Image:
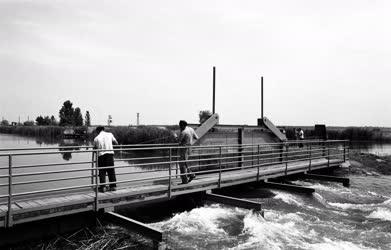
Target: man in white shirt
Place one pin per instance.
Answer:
(104, 143)
(187, 138)
(301, 137)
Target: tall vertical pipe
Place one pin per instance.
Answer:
(214, 89)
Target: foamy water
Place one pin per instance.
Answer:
(335, 217)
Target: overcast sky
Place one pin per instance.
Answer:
(322, 61)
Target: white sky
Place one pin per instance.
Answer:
(322, 61)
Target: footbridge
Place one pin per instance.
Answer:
(37, 183)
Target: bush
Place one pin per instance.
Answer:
(142, 135)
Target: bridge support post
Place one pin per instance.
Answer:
(156, 235)
(236, 202)
(345, 181)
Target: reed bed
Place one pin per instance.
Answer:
(102, 237)
(36, 131)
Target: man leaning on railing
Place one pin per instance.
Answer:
(104, 143)
(186, 139)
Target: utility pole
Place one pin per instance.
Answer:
(109, 120)
(214, 89)
(138, 119)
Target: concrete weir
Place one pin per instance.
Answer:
(232, 201)
(156, 235)
(345, 181)
(288, 187)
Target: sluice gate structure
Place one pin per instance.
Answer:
(148, 173)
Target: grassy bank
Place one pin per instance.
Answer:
(369, 164)
(124, 134)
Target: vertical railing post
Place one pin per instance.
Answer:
(169, 173)
(176, 163)
(286, 159)
(328, 155)
(92, 168)
(220, 155)
(344, 151)
(252, 155)
(282, 152)
(96, 180)
(259, 156)
(9, 214)
(310, 156)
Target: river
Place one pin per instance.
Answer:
(335, 217)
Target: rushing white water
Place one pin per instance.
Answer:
(333, 218)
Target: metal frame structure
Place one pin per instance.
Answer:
(160, 162)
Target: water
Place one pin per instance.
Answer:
(335, 217)
(381, 149)
(128, 170)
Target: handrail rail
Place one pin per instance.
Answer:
(206, 159)
(138, 147)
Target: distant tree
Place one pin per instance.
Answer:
(43, 121)
(53, 120)
(39, 120)
(77, 117)
(66, 114)
(87, 120)
(28, 123)
(47, 121)
(204, 115)
(5, 123)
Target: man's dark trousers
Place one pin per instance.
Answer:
(106, 160)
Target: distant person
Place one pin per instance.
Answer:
(186, 138)
(301, 137)
(104, 142)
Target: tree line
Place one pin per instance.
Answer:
(68, 116)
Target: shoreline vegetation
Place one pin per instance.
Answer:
(153, 134)
(369, 164)
(123, 134)
(374, 134)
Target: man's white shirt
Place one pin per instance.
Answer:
(104, 141)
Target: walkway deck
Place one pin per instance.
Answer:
(33, 209)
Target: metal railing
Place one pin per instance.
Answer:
(148, 164)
